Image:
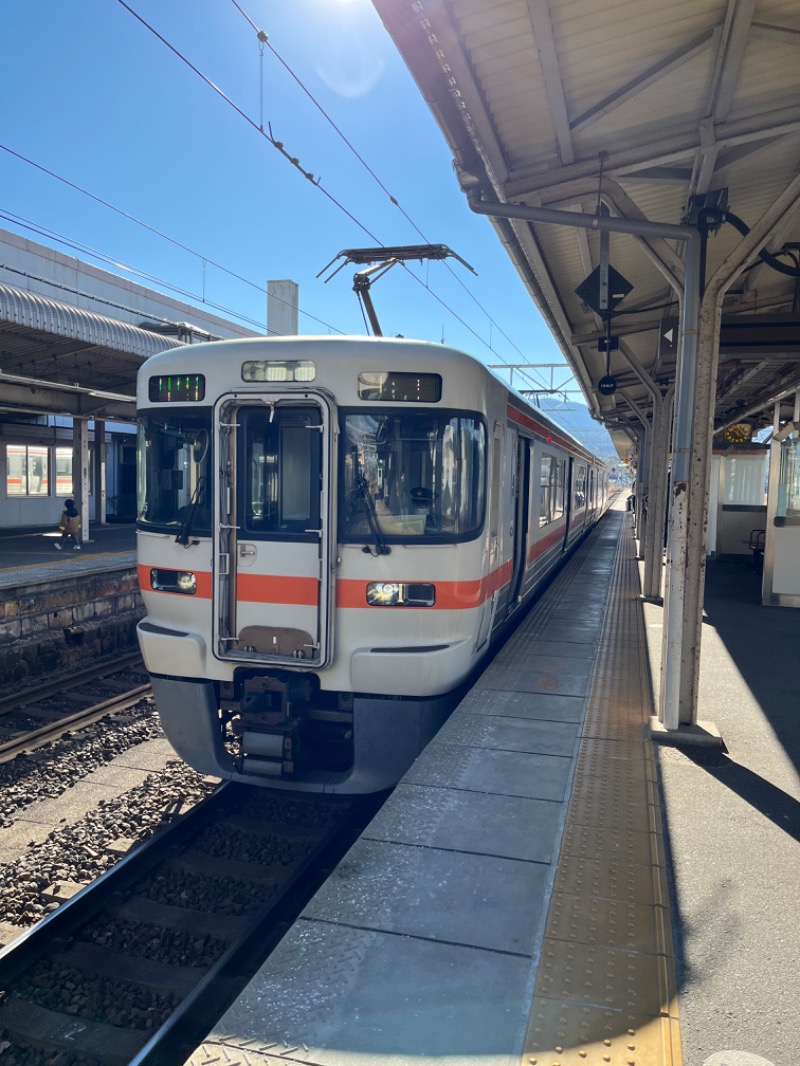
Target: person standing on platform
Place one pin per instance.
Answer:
(69, 524)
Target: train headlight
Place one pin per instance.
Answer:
(400, 594)
(174, 581)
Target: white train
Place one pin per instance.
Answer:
(332, 531)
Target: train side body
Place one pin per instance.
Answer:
(331, 534)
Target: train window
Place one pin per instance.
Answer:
(173, 470)
(64, 472)
(411, 475)
(396, 387)
(580, 487)
(27, 470)
(279, 471)
(551, 476)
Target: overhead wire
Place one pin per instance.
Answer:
(263, 39)
(85, 249)
(158, 233)
(279, 145)
(268, 136)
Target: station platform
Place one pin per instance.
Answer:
(30, 555)
(548, 887)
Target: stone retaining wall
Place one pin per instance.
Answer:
(66, 623)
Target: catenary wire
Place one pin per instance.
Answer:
(264, 40)
(294, 161)
(157, 232)
(85, 249)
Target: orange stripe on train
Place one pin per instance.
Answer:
(350, 593)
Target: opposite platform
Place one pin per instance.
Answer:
(29, 556)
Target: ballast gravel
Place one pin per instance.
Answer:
(81, 852)
(49, 771)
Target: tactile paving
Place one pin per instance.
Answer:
(591, 1036)
(615, 843)
(647, 982)
(606, 879)
(606, 990)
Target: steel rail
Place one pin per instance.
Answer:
(37, 738)
(221, 980)
(65, 683)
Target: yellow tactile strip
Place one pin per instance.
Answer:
(606, 992)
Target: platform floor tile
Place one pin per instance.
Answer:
(507, 773)
(512, 734)
(542, 705)
(525, 677)
(452, 896)
(336, 996)
(511, 826)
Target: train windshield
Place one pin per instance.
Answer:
(412, 474)
(174, 467)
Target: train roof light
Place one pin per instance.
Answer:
(274, 370)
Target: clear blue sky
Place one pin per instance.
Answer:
(95, 97)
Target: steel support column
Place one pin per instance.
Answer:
(100, 472)
(659, 432)
(642, 472)
(80, 471)
(693, 424)
(659, 451)
(692, 448)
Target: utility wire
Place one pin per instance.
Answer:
(280, 147)
(158, 233)
(264, 39)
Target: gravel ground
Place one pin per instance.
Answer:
(51, 770)
(81, 852)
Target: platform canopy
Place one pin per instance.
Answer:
(73, 335)
(686, 112)
(58, 358)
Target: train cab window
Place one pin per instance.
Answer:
(412, 475)
(173, 470)
(281, 456)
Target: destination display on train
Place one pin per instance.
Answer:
(177, 388)
(399, 386)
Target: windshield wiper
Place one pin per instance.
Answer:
(362, 487)
(188, 518)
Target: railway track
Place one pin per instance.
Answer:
(45, 713)
(133, 968)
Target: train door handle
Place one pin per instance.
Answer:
(245, 550)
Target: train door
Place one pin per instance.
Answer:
(496, 492)
(569, 493)
(521, 510)
(273, 537)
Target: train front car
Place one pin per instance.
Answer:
(313, 552)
